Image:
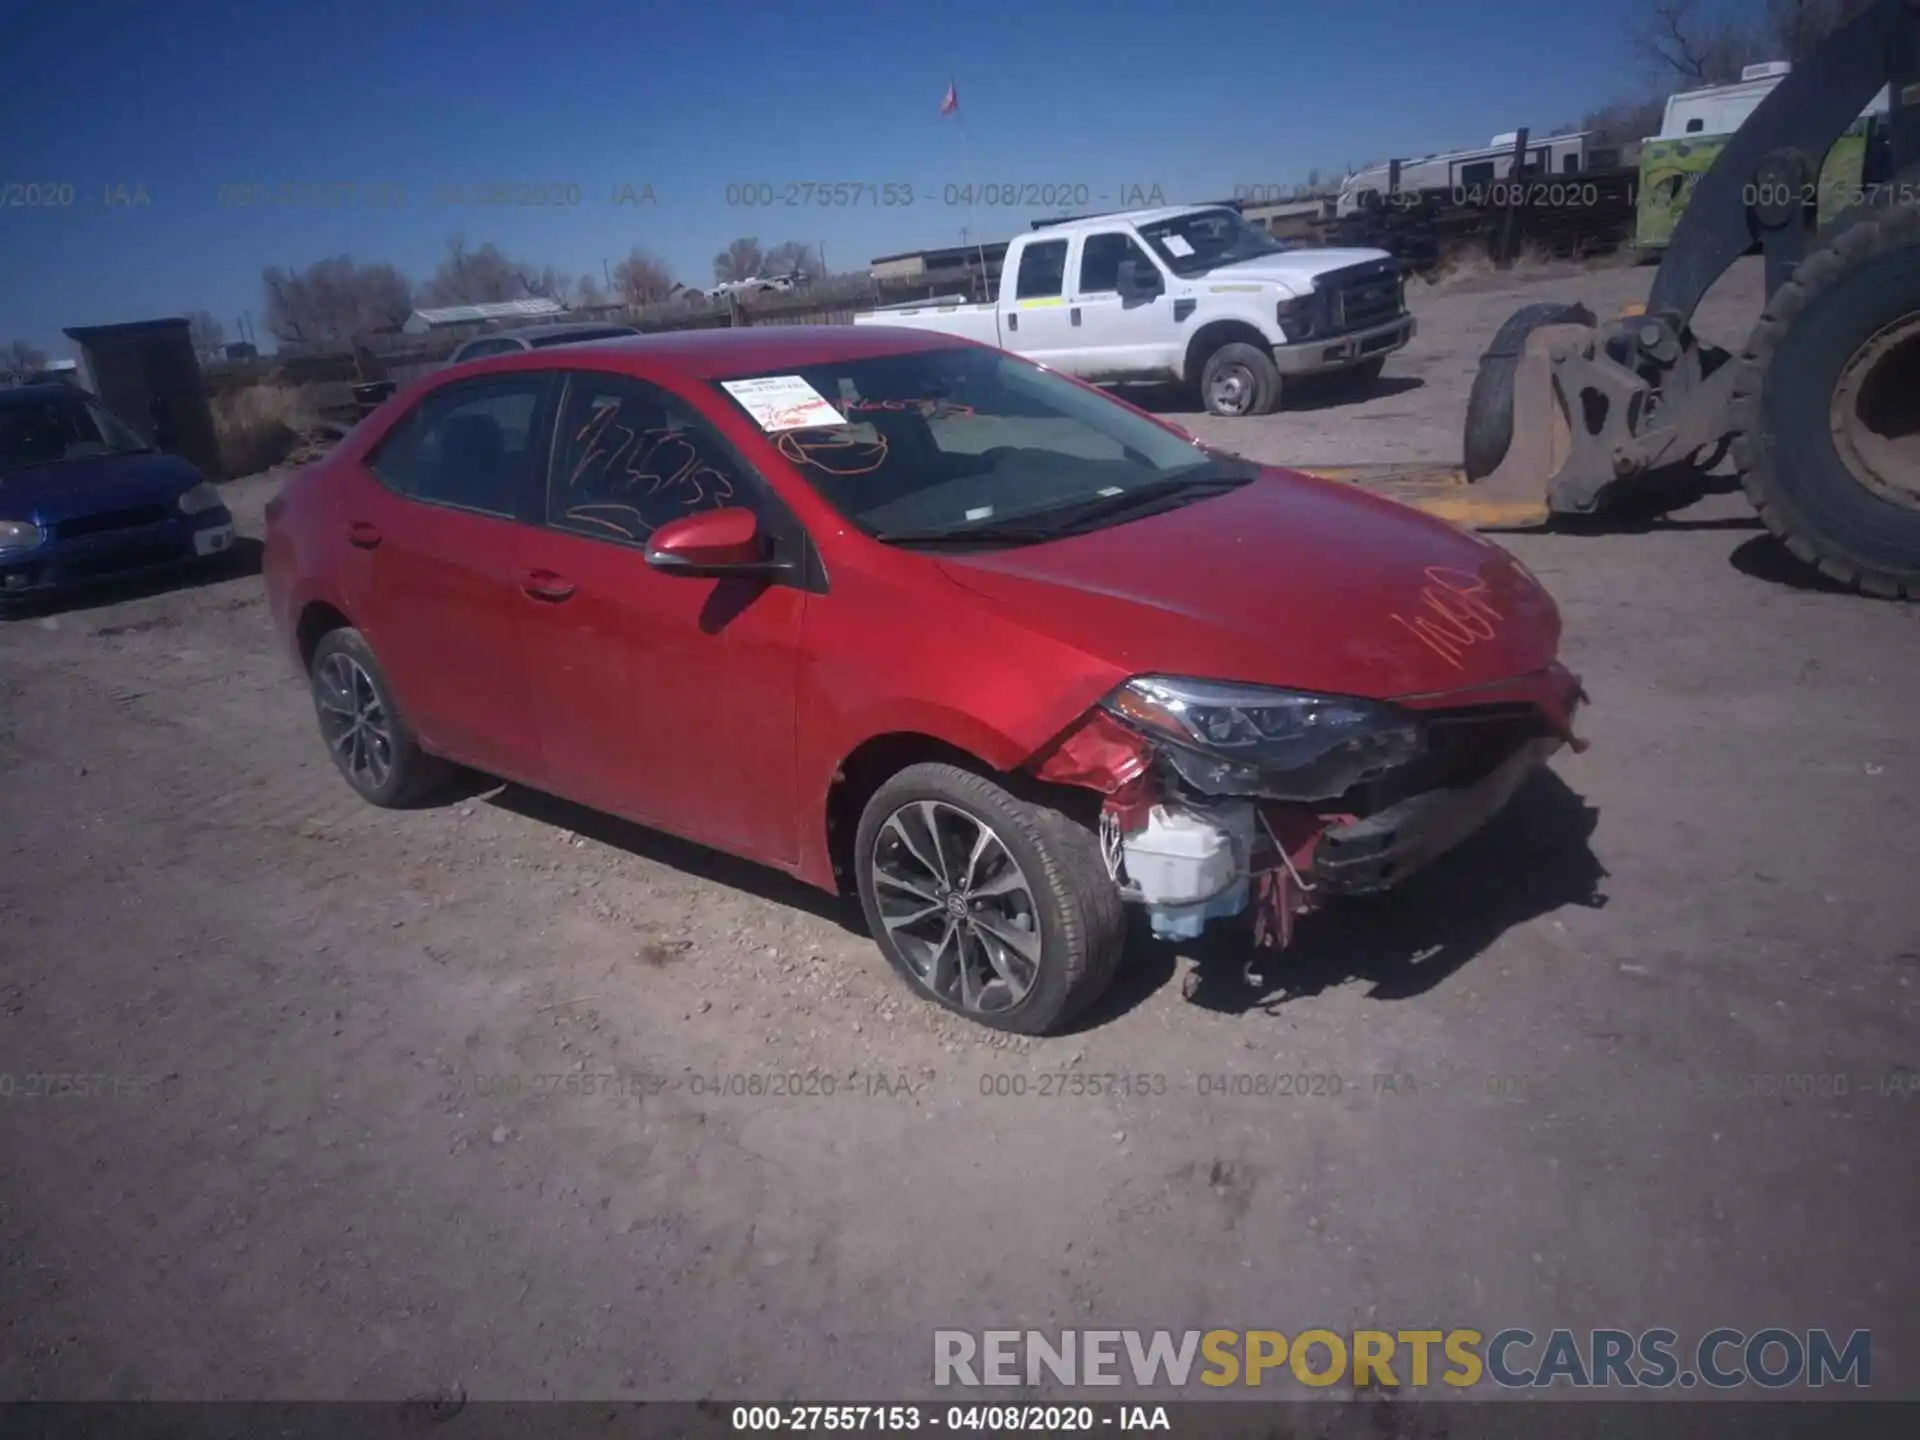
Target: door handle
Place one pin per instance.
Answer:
(545, 585)
(1076, 314)
(363, 533)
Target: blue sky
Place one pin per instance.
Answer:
(163, 105)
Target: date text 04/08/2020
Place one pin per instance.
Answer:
(955, 1419)
(893, 194)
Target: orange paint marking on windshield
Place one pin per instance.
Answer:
(828, 452)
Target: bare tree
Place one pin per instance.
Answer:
(332, 300)
(20, 358)
(549, 284)
(1625, 122)
(1795, 28)
(790, 256)
(1701, 46)
(642, 279)
(475, 277)
(208, 335)
(587, 293)
(741, 260)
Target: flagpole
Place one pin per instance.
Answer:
(966, 175)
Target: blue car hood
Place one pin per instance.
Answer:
(72, 489)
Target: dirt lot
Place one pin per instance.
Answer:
(326, 1162)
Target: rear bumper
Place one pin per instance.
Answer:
(1310, 357)
(60, 566)
(1384, 849)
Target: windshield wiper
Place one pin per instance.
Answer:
(1145, 499)
(968, 535)
(1077, 516)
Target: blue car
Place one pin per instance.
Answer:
(84, 499)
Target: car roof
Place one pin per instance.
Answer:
(38, 390)
(745, 350)
(570, 327)
(1135, 218)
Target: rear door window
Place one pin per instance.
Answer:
(470, 446)
(1043, 271)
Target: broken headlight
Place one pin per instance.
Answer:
(1250, 740)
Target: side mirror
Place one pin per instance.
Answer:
(1139, 280)
(715, 544)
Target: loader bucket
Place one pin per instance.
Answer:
(1513, 495)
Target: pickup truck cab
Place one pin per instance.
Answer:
(1194, 294)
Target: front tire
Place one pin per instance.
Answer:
(1826, 407)
(368, 738)
(1240, 379)
(999, 909)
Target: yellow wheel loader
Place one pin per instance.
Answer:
(1820, 409)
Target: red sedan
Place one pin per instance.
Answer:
(913, 618)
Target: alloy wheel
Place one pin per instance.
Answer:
(956, 905)
(357, 727)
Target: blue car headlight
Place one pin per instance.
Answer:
(19, 536)
(1229, 739)
(199, 498)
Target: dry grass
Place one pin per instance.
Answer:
(1471, 268)
(260, 426)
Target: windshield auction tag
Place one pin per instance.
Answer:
(1178, 244)
(783, 402)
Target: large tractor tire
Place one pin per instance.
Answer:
(1826, 406)
(1490, 405)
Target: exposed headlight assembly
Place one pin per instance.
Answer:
(1297, 317)
(198, 498)
(1231, 739)
(19, 536)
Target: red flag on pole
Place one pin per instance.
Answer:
(952, 101)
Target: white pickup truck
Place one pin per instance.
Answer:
(1193, 294)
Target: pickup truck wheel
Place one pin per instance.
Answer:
(998, 909)
(1240, 379)
(1368, 372)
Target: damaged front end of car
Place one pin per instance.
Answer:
(1225, 799)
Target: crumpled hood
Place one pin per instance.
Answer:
(1291, 581)
(49, 494)
(1297, 269)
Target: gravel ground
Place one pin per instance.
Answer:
(327, 1160)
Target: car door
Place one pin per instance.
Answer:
(433, 533)
(1034, 322)
(1119, 338)
(666, 698)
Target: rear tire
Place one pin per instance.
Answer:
(367, 737)
(1490, 404)
(1238, 380)
(1038, 880)
(1792, 441)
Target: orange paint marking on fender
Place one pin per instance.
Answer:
(1455, 614)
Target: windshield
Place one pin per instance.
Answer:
(49, 429)
(1204, 240)
(947, 444)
